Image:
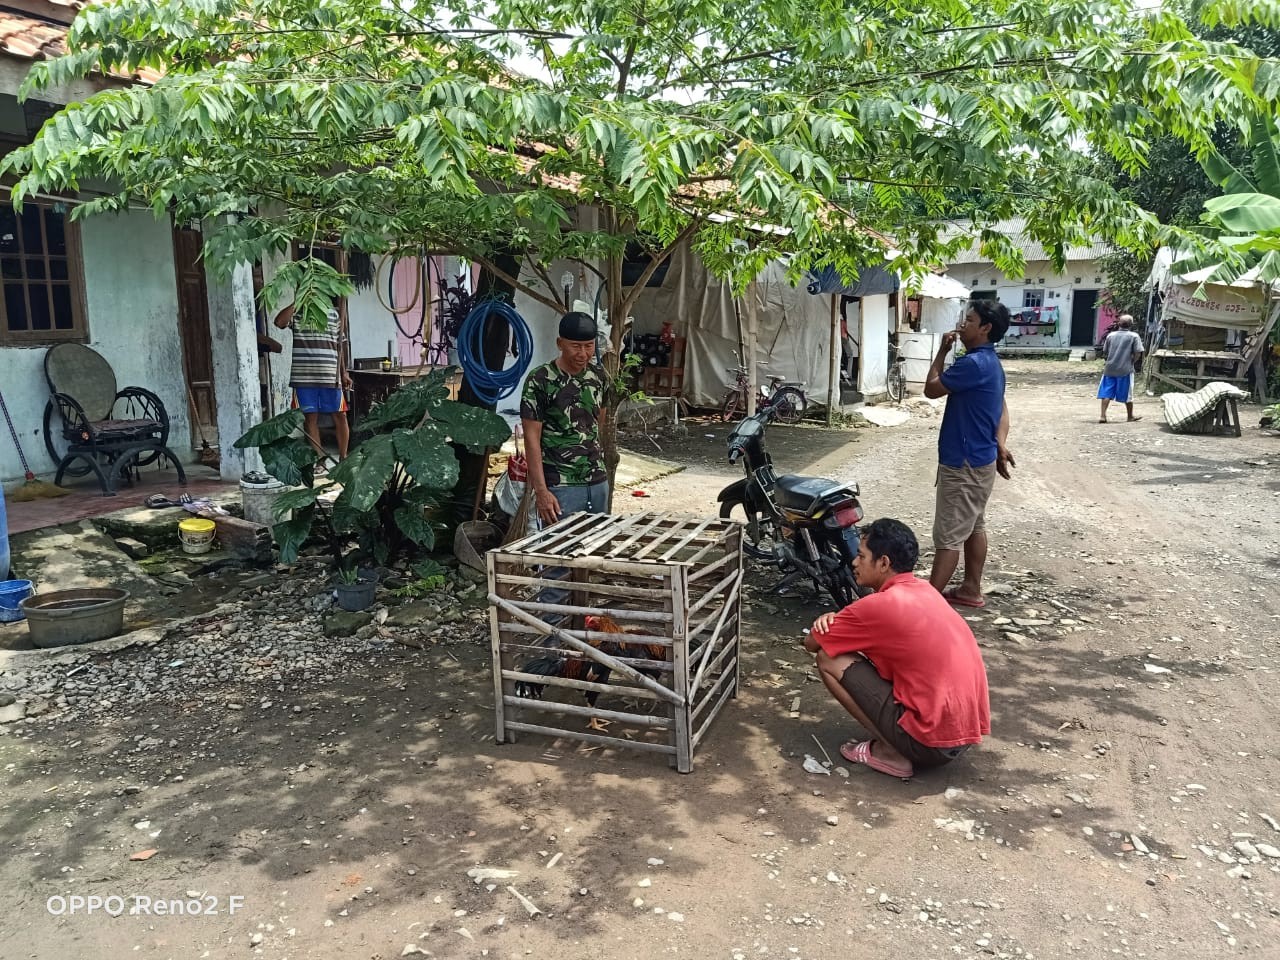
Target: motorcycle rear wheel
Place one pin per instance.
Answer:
(788, 405)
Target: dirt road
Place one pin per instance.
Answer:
(1125, 805)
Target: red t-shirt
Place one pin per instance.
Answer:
(925, 649)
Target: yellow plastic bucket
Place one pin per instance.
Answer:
(196, 535)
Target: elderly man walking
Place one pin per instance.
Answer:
(1122, 349)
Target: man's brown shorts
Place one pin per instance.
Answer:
(874, 695)
(961, 503)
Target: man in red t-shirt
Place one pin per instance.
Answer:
(902, 661)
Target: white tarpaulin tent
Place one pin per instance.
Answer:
(793, 328)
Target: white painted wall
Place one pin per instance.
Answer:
(1058, 291)
(132, 312)
(873, 363)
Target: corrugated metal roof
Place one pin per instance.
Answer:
(1016, 230)
(26, 36)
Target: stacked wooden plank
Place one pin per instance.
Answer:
(672, 583)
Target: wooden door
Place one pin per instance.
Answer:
(193, 327)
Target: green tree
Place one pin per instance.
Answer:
(810, 129)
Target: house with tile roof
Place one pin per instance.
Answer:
(1052, 312)
(128, 285)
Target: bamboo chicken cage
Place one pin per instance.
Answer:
(649, 601)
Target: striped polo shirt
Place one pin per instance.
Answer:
(315, 355)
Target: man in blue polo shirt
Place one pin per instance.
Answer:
(971, 448)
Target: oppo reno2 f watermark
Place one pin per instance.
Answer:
(143, 905)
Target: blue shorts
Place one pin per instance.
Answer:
(319, 399)
(1116, 388)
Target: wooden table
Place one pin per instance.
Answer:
(1191, 382)
(370, 387)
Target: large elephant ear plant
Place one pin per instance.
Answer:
(389, 482)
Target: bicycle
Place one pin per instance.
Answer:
(896, 382)
(784, 397)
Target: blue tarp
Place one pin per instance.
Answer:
(871, 282)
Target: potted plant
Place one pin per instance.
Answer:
(356, 586)
(389, 483)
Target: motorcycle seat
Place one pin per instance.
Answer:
(795, 492)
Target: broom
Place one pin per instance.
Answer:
(31, 489)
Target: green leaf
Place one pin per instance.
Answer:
(277, 428)
(290, 460)
(291, 534)
(295, 499)
(414, 525)
(473, 427)
(1246, 212)
(365, 472)
(426, 457)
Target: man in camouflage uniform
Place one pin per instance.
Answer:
(560, 411)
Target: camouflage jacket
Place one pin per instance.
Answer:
(568, 408)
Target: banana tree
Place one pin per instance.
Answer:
(1246, 218)
(389, 482)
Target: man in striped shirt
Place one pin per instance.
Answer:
(318, 377)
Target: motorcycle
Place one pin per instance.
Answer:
(806, 526)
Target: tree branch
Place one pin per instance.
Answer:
(630, 300)
(515, 283)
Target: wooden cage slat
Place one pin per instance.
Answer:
(640, 663)
(523, 544)
(725, 697)
(676, 603)
(566, 540)
(711, 662)
(715, 638)
(571, 684)
(673, 530)
(654, 521)
(601, 564)
(712, 592)
(597, 655)
(608, 589)
(591, 738)
(573, 710)
(589, 635)
(686, 540)
(709, 569)
(713, 691)
(615, 528)
(644, 616)
(717, 613)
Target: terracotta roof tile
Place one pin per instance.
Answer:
(33, 38)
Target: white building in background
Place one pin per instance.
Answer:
(1051, 311)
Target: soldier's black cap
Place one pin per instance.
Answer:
(578, 326)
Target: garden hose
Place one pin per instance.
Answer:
(490, 386)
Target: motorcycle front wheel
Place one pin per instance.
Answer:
(760, 536)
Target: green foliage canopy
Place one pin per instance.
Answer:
(838, 125)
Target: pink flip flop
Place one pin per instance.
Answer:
(861, 753)
(950, 596)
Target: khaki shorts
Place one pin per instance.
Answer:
(961, 503)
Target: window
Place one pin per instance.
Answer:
(982, 295)
(40, 269)
(1033, 297)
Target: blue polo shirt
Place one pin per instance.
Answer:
(974, 404)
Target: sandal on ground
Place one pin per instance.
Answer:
(861, 753)
(953, 598)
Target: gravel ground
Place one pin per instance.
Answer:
(342, 787)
